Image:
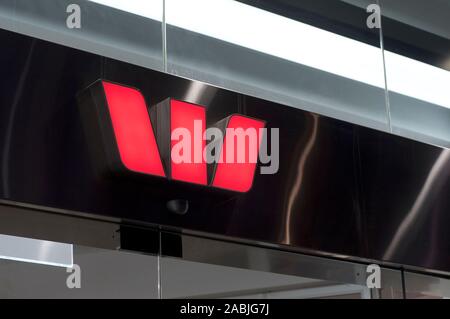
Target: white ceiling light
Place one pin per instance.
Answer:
(152, 9)
(263, 31)
(417, 79)
(273, 34)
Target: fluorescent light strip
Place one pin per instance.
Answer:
(266, 32)
(152, 9)
(417, 79)
(273, 34)
(36, 251)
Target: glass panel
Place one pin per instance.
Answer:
(184, 279)
(318, 56)
(420, 286)
(105, 26)
(391, 285)
(195, 267)
(103, 274)
(417, 55)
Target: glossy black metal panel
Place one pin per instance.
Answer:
(340, 188)
(406, 200)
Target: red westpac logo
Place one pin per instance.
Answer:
(169, 139)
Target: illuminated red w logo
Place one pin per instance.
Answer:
(144, 144)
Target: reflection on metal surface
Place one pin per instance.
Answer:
(200, 93)
(296, 188)
(328, 292)
(36, 251)
(195, 91)
(435, 180)
(11, 121)
(57, 225)
(421, 286)
(215, 252)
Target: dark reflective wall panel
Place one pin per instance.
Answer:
(340, 189)
(406, 199)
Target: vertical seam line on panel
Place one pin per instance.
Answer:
(164, 36)
(159, 264)
(386, 90)
(403, 283)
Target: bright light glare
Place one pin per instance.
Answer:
(263, 31)
(417, 79)
(152, 9)
(288, 39)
